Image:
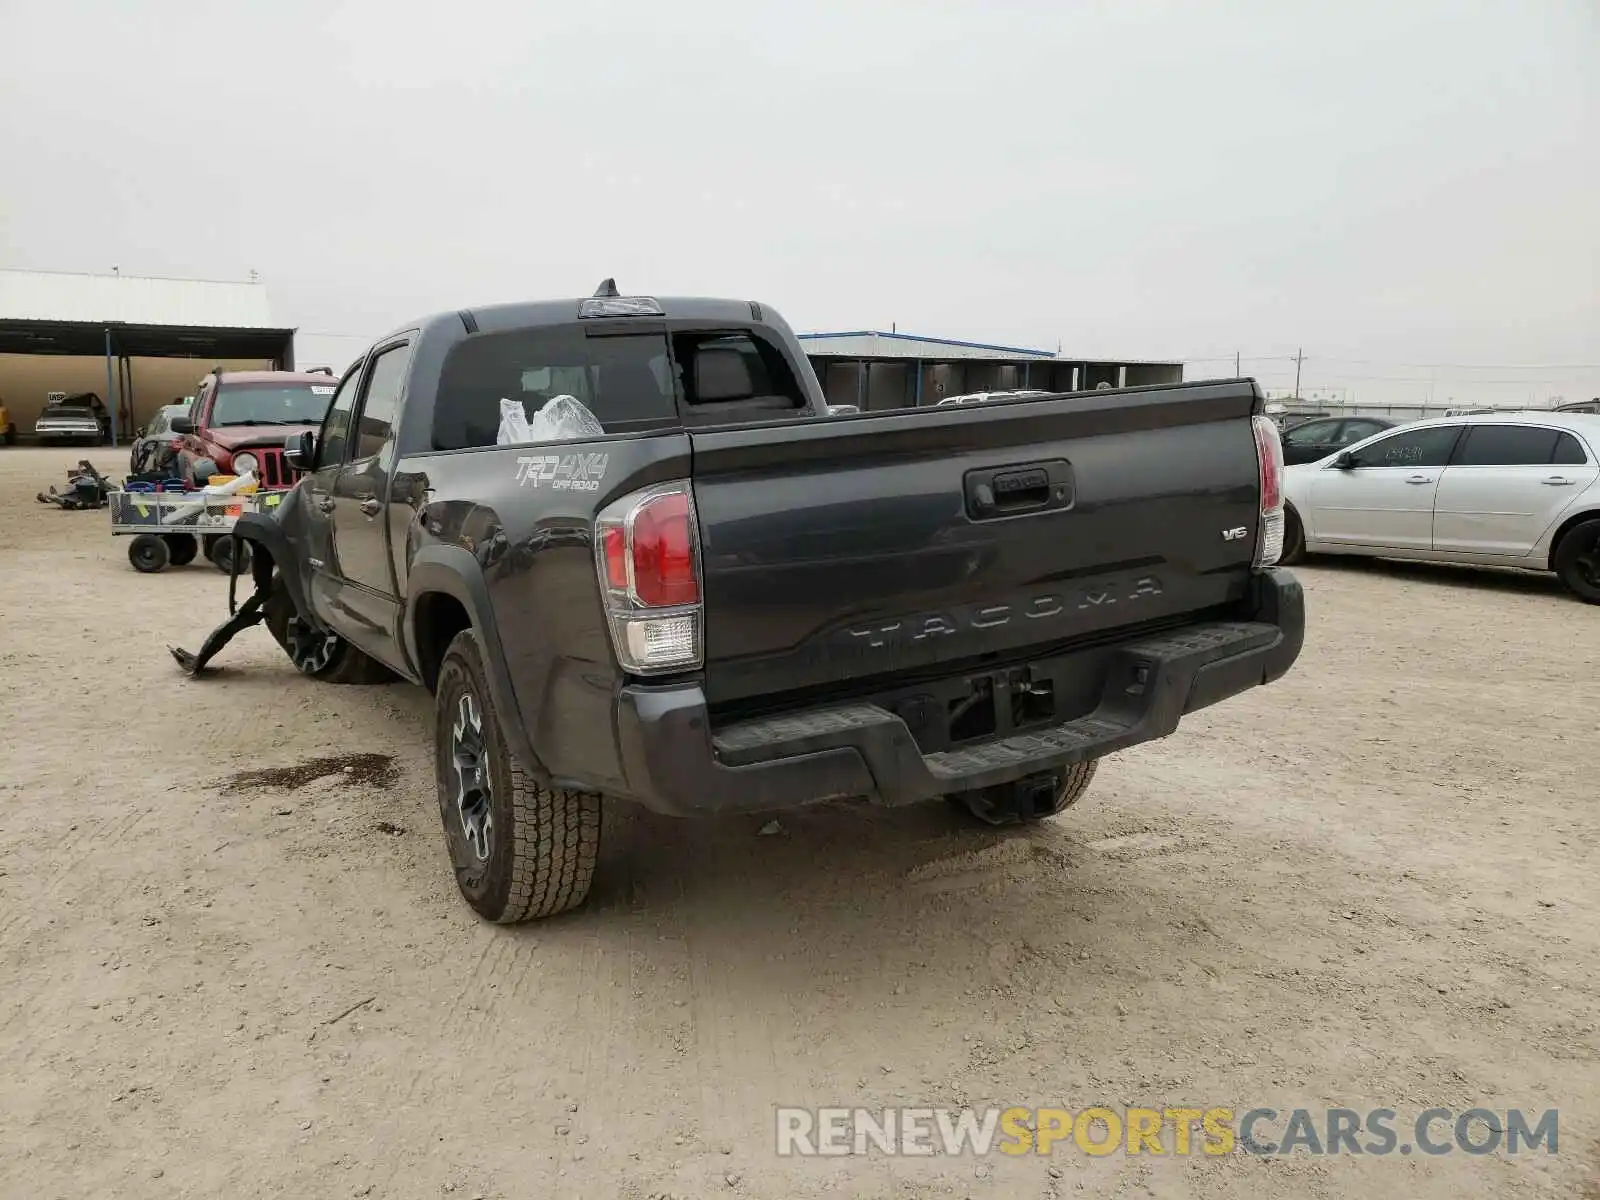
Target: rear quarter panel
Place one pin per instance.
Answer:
(532, 540)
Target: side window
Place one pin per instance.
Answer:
(385, 377)
(1506, 446)
(1312, 433)
(621, 382)
(336, 425)
(1569, 451)
(1414, 448)
(1355, 431)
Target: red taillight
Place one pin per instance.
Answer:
(663, 553)
(1269, 456)
(614, 547)
(648, 559)
(1269, 460)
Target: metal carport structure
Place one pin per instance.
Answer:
(878, 370)
(122, 318)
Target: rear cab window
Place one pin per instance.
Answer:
(731, 376)
(623, 379)
(628, 379)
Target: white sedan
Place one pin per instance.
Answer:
(1507, 489)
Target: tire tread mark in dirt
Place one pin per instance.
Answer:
(500, 951)
(110, 832)
(422, 1068)
(732, 1032)
(28, 916)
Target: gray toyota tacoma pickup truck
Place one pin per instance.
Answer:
(677, 581)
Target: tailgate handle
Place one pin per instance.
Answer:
(1011, 491)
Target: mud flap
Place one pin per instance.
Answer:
(265, 535)
(251, 612)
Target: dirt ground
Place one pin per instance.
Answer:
(1371, 885)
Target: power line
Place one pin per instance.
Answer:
(1522, 381)
(1384, 362)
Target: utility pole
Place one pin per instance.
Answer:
(1299, 357)
(1236, 372)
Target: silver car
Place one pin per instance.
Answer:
(81, 417)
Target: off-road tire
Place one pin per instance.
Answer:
(183, 547)
(1579, 546)
(1294, 539)
(148, 553)
(331, 659)
(544, 842)
(1075, 781)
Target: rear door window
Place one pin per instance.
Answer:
(1506, 446)
(624, 381)
(1569, 453)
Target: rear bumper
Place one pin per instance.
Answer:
(674, 764)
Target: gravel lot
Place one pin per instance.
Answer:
(1370, 885)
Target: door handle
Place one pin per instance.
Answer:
(325, 503)
(370, 506)
(1559, 481)
(1419, 478)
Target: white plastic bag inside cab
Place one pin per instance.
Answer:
(563, 419)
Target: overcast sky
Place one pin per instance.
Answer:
(1384, 182)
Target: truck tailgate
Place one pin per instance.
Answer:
(843, 555)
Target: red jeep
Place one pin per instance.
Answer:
(239, 420)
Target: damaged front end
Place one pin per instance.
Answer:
(279, 598)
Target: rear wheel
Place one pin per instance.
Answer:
(148, 554)
(321, 655)
(182, 547)
(221, 550)
(1577, 561)
(1001, 805)
(1294, 539)
(519, 850)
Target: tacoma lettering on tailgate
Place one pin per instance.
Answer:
(924, 626)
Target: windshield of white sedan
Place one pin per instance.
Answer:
(246, 404)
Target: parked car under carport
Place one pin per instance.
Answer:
(77, 418)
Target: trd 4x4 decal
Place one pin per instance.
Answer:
(563, 472)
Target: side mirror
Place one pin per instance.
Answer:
(139, 432)
(300, 450)
(1344, 461)
(182, 425)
